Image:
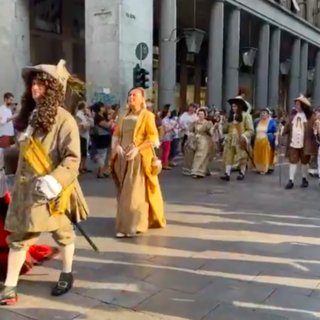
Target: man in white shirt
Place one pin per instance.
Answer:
(6, 124)
(301, 142)
(149, 105)
(85, 122)
(185, 121)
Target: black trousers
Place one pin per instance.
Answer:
(183, 142)
(83, 147)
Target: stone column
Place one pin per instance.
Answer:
(183, 82)
(67, 44)
(197, 83)
(232, 57)
(274, 67)
(304, 68)
(215, 64)
(14, 45)
(167, 53)
(113, 29)
(262, 70)
(316, 82)
(294, 81)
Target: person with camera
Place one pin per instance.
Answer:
(85, 122)
(102, 136)
(6, 118)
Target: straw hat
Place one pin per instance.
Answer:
(240, 102)
(58, 72)
(304, 100)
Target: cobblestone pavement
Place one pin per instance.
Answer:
(240, 251)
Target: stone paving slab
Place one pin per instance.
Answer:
(112, 312)
(229, 312)
(237, 251)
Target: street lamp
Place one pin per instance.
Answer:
(193, 36)
(310, 75)
(249, 56)
(285, 67)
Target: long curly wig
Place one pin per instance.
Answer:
(308, 111)
(235, 116)
(47, 106)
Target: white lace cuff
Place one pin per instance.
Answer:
(26, 134)
(49, 186)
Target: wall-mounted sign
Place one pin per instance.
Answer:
(142, 51)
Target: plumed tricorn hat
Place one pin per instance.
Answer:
(240, 102)
(58, 72)
(303, 100)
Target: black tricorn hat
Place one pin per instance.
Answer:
(240, 102)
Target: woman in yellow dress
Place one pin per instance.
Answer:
(264, 143)
(198, 150)
(140, 202)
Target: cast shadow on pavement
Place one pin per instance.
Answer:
(190, 287)
(227, 253)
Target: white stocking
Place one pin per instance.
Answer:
(304, 170)
(228, 170)
(292, 171)
(67, 254)
(16, 260)
(243, 169)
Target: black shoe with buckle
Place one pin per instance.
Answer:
(304, 183)
(240, 177)
(289, 185)
(64, 284)
(226, 177)
(8, 296)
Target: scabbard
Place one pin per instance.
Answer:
(250, 158)
(83, 233)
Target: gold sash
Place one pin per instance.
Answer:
(40, 162)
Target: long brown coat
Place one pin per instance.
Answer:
(26, 213)
(310, 144)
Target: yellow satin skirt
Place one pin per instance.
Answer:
(263, 155)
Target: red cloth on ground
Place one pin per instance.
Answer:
(36, 253)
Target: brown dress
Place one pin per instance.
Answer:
(198, 150)
(133, 205)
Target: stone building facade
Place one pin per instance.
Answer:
(98, 38)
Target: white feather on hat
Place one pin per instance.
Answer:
(304, 100)
(58, 72)
(241, 101)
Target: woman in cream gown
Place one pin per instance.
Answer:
(198, 149)
(140, 203)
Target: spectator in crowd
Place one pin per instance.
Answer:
(102, 137)
(166, 137)
(115, 108)
(6, 123)
(185, 121)
(93, 152)
(175, 138)
(149, 105)
(85, 122)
